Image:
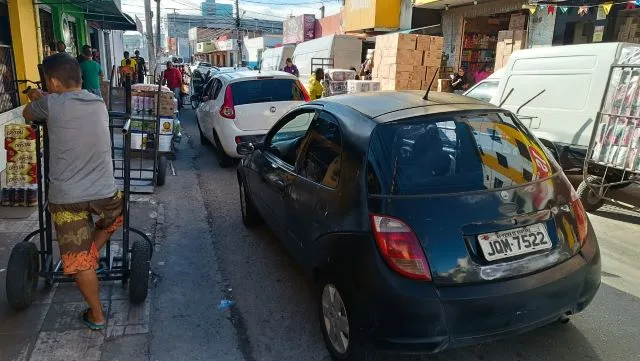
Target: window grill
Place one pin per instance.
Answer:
(8, 85)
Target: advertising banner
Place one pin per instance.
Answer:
(298, 29)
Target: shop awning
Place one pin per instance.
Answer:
(106, 14)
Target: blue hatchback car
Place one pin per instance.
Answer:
(427, 224)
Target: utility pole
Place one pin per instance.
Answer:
(239, 61)
(322, 12)
(151, 52)
(159, 46)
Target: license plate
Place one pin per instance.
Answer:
(514, 242)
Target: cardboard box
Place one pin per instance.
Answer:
(432, 59)
(19, 131)
(415, 84)
(423, 42)
(430, 73)
(444, 85)
(436, 44)
(418, 72)
(517, 22)
(362, 86)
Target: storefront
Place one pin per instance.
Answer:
(471, 30)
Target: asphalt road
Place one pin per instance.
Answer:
(275, 315)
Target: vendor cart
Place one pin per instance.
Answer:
(613, 157)
(151, 137)
(34, 258)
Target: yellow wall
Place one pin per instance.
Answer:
(370, 14)
(24, 41)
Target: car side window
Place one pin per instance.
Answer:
(484, 91)
(217, 86)
(321, 159)
(287, 141)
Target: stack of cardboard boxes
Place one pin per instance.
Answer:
(508, 42)
(22, 169)
(630, 30)
(511, 40)
(407, 61)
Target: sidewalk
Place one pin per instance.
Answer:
(51, 329)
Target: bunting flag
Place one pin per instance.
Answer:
(551, 9)
(564, 9)
(631, 5)
(583, 10)
(532, 9)
(607, 7)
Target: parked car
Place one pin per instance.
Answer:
(242, 106)
(202, 66)
(427, 224)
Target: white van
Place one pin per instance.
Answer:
(273, 59)
(344, 50)
(572, 80)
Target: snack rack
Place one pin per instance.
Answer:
(613, 156)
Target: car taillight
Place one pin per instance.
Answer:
(227, 110)
(582, 222)
(304, 91)
(400, 247)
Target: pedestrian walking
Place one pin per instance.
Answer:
(141, 66)
(91, 72)
(82, 57)
(291, 68)
(315, 84)
(127, 68)
(81, 182)
(172, 78)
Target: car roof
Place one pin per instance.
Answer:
(376, 104)
(254, 74)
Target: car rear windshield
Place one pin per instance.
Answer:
(266, 90)
(451, 154)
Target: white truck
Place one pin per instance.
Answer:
(273, 59)
(557, 92)
(334, 51)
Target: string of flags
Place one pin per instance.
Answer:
(582, 9)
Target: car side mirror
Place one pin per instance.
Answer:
(245, 148)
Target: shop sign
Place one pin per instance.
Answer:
(299, 29)
(205, 47)
(371, 14)
(226, 45)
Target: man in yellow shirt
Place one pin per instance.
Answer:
(315, 84)
(128, 68)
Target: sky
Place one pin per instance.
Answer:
(261, 9)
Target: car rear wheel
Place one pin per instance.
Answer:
(339, 331)
(590, 200)
(223, 159)
(250, 215)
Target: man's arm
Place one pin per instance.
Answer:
(38, 109)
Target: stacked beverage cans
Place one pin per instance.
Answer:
(22, 170)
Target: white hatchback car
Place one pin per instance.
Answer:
(242, 107)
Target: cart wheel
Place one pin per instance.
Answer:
(22, 275)
(139, 273)
(590, 200)
(162, 171)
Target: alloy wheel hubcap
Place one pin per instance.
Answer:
(335, 320)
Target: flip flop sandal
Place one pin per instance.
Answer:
(91, 325)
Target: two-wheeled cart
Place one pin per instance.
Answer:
(151, 144)
(613, 157)
(33, 258)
